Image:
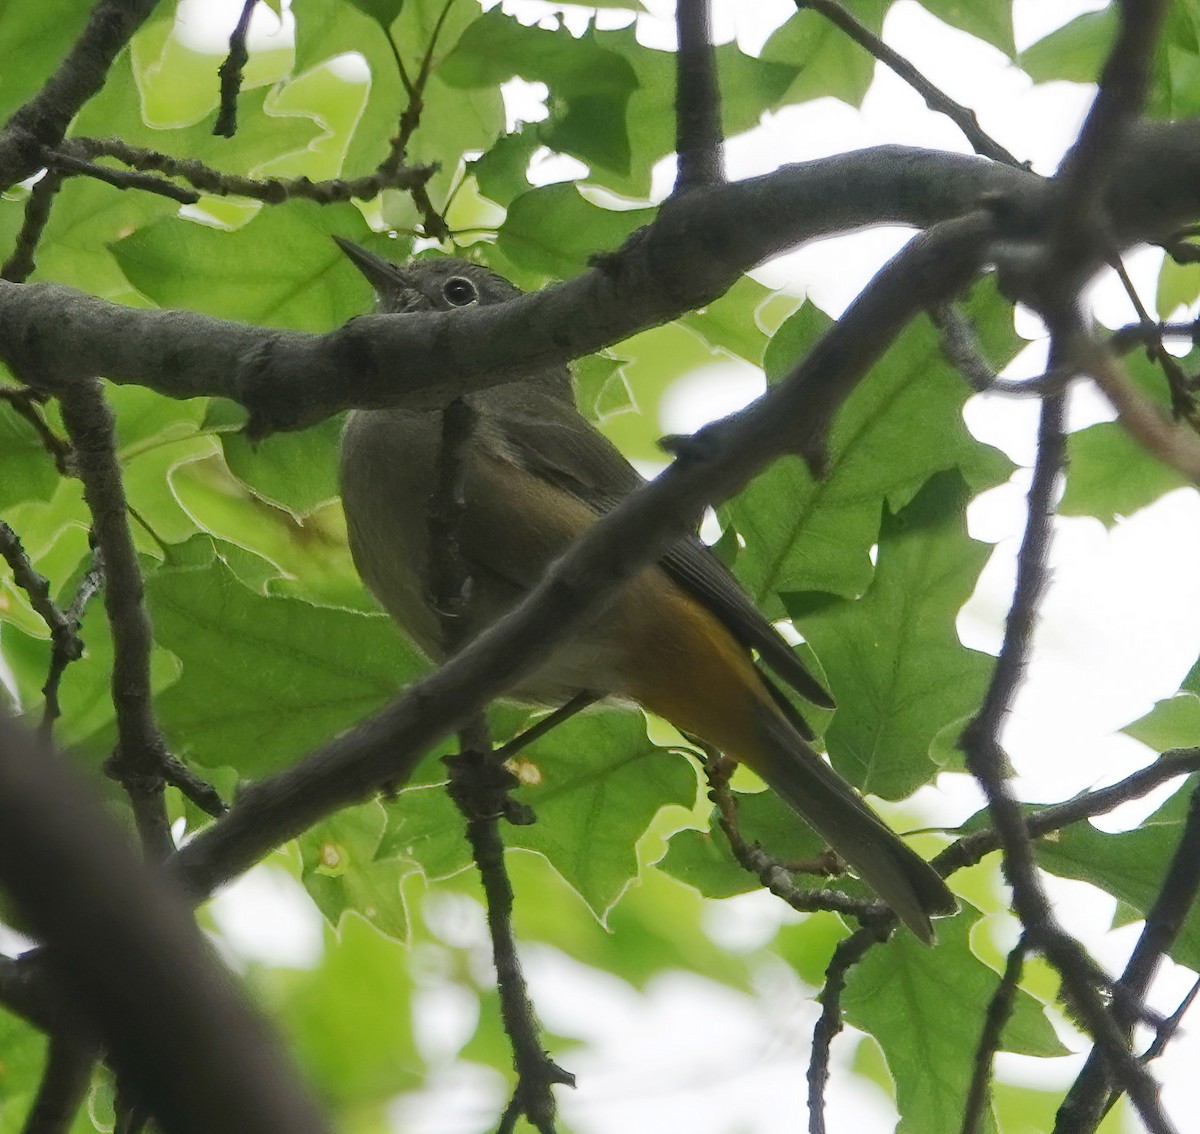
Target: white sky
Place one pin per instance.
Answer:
(693, 1056)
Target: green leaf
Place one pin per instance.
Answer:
(732, 324)
(749, 87)
(703, 859)
(807, 535)
(1173, 723)
(989, 20)
(1130, 865)
(828, 63)
(501, 172)
(231, 704)
(343, 874)
(297, 471)
(893, 658)
(551, 232)
(657, 924)
(1074, 52)
(33, 40)
(595, 783)
(590, 85)
(349, 1022)
(266, 131)
(1178, 284)
(600, 387)
(611, 99)
(1110, 475)
(27, 471)
(383, 12)
(900, 994)
(307, 557)
(282, 269)
(25, 1051)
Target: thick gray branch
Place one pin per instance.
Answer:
(693, 251)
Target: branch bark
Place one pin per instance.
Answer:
(693, 251)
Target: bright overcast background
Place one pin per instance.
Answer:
(1120, 629)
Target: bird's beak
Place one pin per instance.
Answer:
(384, 276)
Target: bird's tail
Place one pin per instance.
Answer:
(913, 889)
(695, 675)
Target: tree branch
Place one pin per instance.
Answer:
(141, 752)
(698, 132)
(1000, 1008)
(117, 938)
(271, 190)
(935, 98)
(291, 379)
(791, 417)
(20, 263)
(230, 73)
(1085, 1103)
(44, 119)
(848, 953)
(63, 1089)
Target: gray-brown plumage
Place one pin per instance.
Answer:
(677, 640)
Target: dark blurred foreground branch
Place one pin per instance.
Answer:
(119, 940)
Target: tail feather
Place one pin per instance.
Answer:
(685, 666)
(900, 876)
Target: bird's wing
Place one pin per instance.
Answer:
(544, 435)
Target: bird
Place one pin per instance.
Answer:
(678, 639)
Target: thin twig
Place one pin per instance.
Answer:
(1170, 1026)
(20, 264)
(1183, 401)
(1172, 442)
(62, 654)
(698, 133)
(230, 73)
(26, 402)
(65, 163)
(936, 99)
(546, 724)
(1085, 1103)
(986, 761)
(44, 119)
(1124, 339)
(775, 876)
(480, 784)
(999, 1009)
(972, 848)
(848, 953)
(140, 754)
(272, 190)
(410, 119)
(479, 787)
(37, 587)
(961, 348)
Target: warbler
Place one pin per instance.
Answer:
(677, 639)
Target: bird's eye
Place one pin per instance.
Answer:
(459, 291)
